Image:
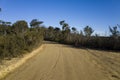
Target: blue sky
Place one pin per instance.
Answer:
(99, 14)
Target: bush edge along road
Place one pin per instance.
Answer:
(65, 62)
(20, 61)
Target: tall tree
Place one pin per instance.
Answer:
(35, 23)
(65, 30)
(65, 26)
(5, 27)
(57, 33)
(88, 31)
(62, 22)
(114, 31)
(74, 29)
(51, 32)
(20, 26)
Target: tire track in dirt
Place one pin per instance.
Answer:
(111, 66)
(62, 62)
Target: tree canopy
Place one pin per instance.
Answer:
(35, 23)
(88, 31)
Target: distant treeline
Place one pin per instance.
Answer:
(84, 38)
(18, 38)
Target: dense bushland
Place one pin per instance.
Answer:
(18, 38)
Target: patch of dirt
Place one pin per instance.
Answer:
(61, 62)
(8, 66)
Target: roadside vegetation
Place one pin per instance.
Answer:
(85, 37)
(18, 38)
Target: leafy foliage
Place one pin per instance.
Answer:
(18, 38)
(86, 39)
(88, 31)
(35, 23)
(114, 31)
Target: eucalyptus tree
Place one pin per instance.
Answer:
(5, 27)
(88, 31)
(65, 31)
(20, 26)
(57, 33)
(74, 30)
(114, 31)
(51, 34)
(35, 23)
(65, 26)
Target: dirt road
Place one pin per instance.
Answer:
(61, 62)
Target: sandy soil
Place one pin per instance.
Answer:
(61, 62)
(8, 66)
